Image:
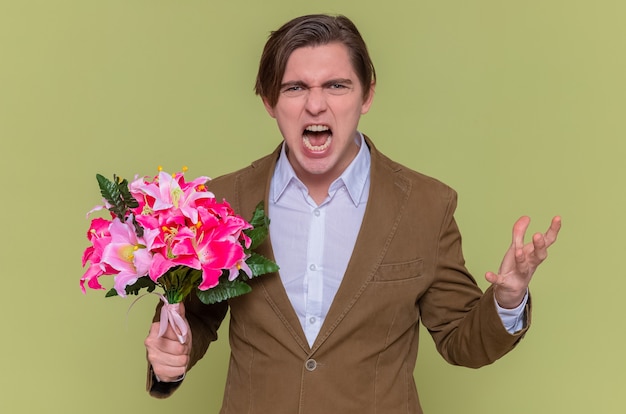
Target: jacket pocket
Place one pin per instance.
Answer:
(394, 272)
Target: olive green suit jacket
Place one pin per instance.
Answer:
(407, 266)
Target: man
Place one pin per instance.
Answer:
(367, 249)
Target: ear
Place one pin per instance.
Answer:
(367, 103)
(268, 107)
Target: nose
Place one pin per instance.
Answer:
(316, 101)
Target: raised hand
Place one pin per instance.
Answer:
(520, 262)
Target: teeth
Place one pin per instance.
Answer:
(317, 128)
(307, 144)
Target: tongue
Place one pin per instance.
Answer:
(317, 139)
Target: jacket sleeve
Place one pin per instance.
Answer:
(463, 321)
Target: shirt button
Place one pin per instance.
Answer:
(316, 212)
(310, 365)
(312, 320)
(313, 267)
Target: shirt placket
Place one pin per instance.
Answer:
(314, 279)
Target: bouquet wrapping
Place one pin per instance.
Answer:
(171, 233)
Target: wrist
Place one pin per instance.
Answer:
(176, 379)
(509, 299)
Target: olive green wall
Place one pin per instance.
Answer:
(518, 105)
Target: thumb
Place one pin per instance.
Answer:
(492, 278)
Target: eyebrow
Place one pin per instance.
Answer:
(291, 84)
(339, 80)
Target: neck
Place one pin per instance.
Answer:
(318, 194)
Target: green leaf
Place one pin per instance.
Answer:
(127, 197)
(117, 194)
(224, 290)
(141, 283)
(178, 282)
(260, 223)
(257, 235)
(111, 293)
(111, 193)
(260, 265)
(258, 217)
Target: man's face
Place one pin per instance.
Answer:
(318, 111)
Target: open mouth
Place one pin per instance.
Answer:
(317, 138)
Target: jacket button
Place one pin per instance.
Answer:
(310, 365)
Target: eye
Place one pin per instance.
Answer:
(338, 88)
(293, 90)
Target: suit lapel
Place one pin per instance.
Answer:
(251, 188)
(387, 201)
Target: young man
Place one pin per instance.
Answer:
(367, 249)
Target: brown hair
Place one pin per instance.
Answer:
(311, 30)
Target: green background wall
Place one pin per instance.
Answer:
(517, 105)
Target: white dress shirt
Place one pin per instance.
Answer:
(313, 243)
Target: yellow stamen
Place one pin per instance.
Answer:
(126, 253)
(185, 168)
(160, 168)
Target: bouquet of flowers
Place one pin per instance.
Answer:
(170, 233)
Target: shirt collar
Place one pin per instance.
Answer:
(354, 177)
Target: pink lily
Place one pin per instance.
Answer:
(215, 256)
(100, 237)
(175, 247)
(128, 254)
(233, 272)
(167, 193)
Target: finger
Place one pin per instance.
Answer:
(538, 250)
(540, 247)
(492, 278)
(553, 230)
(169, 341)
(167, 367)
(519, 232)
(153, 340)
(167, 358)
(169, 333)
(520, 258)
(154, 330)
(496, 279)
(164, 359)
